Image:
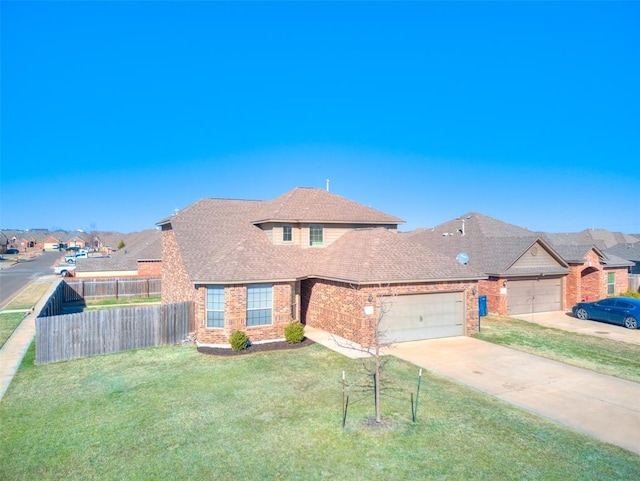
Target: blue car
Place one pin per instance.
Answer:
(616, 310)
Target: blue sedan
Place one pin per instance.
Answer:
(617, 310)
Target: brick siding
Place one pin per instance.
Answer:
(339, 308)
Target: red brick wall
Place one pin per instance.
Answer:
(622, 279)
(150, 268)
(235, 315)
(176, 286)
(496, 301)
(339, 308)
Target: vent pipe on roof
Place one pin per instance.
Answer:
(327, 185)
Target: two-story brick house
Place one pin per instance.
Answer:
(313, 256)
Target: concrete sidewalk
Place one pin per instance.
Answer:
(14, 349)
(601, 406)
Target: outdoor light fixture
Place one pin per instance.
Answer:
(474, 291)
(504, 283)
(370, 298)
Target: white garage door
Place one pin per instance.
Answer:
(534, 295)
(423, 316)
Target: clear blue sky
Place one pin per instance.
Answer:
(114, 114)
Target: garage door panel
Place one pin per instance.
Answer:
(534, 295)
(423, 316)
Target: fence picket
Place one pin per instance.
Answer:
(108, 331)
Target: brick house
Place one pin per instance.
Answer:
(527, 272)
(592, 274)
(141, 257)
(313, 256)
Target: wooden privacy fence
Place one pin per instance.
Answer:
(92, 333)
(79, 289)
(634, 282)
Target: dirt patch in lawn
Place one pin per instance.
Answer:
(254, 348)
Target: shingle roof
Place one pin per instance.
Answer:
(305, 204)
(378, 255)
(601, 238)
(220, 241)
(139, 246)
(630, 252)
(493, 246)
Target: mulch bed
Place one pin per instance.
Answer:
(253, 348)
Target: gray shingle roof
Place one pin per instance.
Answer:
(139, 246)
(630, 252)
(493, 246)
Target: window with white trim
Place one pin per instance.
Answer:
(315, 235)
(215, 306)
(259, 304)
(287, 233)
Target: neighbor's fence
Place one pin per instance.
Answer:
(79, 289)
(92, 333)
(634, 282)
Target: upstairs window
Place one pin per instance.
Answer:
(259, 304)
(287, 233)
(315, 235)
(215, 306)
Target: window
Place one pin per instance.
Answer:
(259, 304)
(611, 283)
(287, 233)
(315, 235)
(215, 306)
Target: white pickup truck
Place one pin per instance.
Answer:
(64, 270)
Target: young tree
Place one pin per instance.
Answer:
(375, 345)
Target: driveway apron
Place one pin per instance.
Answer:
(601, 406)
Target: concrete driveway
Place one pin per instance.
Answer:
(601, 406)
(566, 321)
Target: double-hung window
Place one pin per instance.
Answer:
(611, 283)
(215, 306)
(315, 235)
(259, 304)
(287, 233)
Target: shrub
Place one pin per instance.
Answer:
(630, 293)
(239, 341)
(294, 332)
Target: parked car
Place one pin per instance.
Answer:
(616, 310)
(13, 251)
(64, 270)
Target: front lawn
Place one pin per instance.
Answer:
(173, 413)
(8, 323)
(601, 355)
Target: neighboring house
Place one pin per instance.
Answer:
(629, 252)
(601, 238)
(51, 243)
(142, 257)
(4, 242)
(592, 274)
(313, 256)
(524, 272)
(76, 241)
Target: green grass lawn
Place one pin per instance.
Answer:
(8, 323)
(172, 413)
(597, 354)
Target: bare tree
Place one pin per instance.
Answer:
(374, 346)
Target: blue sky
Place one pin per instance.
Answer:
(114, 114)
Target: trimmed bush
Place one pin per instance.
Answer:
(294, 332)
(238, 341)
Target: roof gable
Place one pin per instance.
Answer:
(305, 204)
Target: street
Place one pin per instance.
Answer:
(14, 277)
